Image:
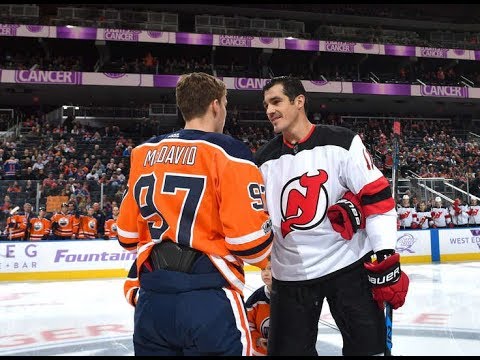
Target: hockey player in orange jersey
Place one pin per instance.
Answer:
(18, 223)
(87, 228)
(111, 225)
(258, 312)
(132, 285)
(64, 225)
(39, 226)
(194, 212)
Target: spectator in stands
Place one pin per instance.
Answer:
(120, 176)
(127, 151)
(14, 187)
(475, 185)
(30, 189)
(150, 63)
(28, 174)
(92, 175)
(6, 205)
(49, 185)
(61, 181)
(38, 165)
(117, 151)
(11, 168)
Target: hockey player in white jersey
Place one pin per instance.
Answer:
(440, 216)
(458, 213)
(474, 212)
(320, 182)
(424, 217)
(407, 213)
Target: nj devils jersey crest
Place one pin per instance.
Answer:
(304, 202)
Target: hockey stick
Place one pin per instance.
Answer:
(388, 307)
(388, 325)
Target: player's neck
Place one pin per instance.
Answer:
(298, 132)
(201, 124)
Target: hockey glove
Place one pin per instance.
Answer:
(346, 216)
(456, 207)
(389, 282)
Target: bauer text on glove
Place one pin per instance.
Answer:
(389, 282)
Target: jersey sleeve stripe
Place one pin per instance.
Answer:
(376, 197)
(246, 238)
(258, 259)
(255, 250)
(127, 234)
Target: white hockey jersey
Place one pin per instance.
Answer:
(424, 219)
(459, 218)
(407, 215)
(474, 215)
(440, 216)
(302, 181)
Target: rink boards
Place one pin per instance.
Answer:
(88, 259)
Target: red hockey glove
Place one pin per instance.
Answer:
(389, 282)
(346, 216)
(404, 216)
(414, 225)
(456, 207)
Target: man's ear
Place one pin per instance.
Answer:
(215, 104)
(300, 101)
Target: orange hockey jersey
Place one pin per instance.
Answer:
(258, 313)
(111, 229)
(16, 227)
(87, 228)
(64, 225)
(39, 228)
(132, 285)
(201, 190)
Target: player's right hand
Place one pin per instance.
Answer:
(346, 215)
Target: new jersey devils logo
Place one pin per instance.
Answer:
(303, 207)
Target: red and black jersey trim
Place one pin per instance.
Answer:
(376, 197)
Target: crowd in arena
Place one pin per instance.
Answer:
(155, 60)
(89, 166)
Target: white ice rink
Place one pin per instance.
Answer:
(441, 316)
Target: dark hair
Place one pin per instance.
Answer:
(292, 87)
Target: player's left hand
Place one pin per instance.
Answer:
(390, 283)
